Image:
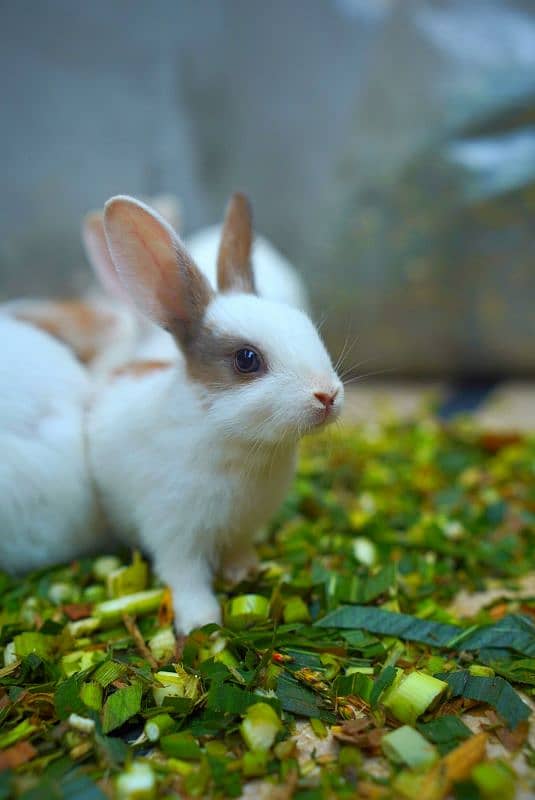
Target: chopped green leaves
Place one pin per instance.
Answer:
(445, 732)
(349, 621)
(411, 695)
(406, 746)
(388, 623)
(260, 726)
(495, 692)
(121, 706)
(301, 701)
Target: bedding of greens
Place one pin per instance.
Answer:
(349, 625)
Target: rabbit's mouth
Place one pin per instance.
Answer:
(321, 417)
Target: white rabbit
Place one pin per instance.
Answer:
(103, 328)
(47, 508)
(275, 279)
(191, 457)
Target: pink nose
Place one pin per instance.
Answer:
(326, 399)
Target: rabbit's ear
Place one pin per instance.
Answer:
(234, 268)
(154, 268)
(96, 249)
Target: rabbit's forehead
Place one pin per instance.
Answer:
(285, 335)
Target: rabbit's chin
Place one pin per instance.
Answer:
(319, 422)
(325, 416)
(313, 423)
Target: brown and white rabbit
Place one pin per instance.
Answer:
(135, 336)
(192, 456)
(104, 330)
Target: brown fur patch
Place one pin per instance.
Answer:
(210, 358)
(77, 324)
(234, 270)
(137, 369)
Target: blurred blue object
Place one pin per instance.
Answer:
(495, 164)
(465, 398)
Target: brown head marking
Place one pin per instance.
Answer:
(210, 360)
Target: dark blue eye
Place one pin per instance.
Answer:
(247, 360)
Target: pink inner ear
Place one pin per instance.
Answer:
(152, 264)
(234, 270)
(96, 247)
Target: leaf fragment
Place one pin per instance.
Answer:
(412, 694)
(389, 623)
(406, 746)
(496, 692)
(121, 706)
(16, 755)
(299, 700)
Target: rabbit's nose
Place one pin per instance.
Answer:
(326, 398)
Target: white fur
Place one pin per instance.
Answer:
(189, 472)
(47, 509)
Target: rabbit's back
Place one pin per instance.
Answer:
(38, 376)
(47, 509)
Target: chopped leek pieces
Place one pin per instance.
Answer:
(347, 667)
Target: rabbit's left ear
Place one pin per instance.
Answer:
(234, 268)
(96, 249)
(154, 268)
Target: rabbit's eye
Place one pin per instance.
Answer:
(247, 360)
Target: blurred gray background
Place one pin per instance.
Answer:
(388, 147)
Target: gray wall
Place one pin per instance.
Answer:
(345, 120)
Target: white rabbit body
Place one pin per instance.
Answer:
(191, 457)
(47, 511)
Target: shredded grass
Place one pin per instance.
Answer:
(350, 624)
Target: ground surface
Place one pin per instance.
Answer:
(506, 406)
(396, 597)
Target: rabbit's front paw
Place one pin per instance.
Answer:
(239, 562)
(195, 610)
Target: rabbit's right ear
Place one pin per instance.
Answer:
(234, 267)
(154, 268)
(96, 249)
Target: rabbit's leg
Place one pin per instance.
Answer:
(190, 580)
(238, 560)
